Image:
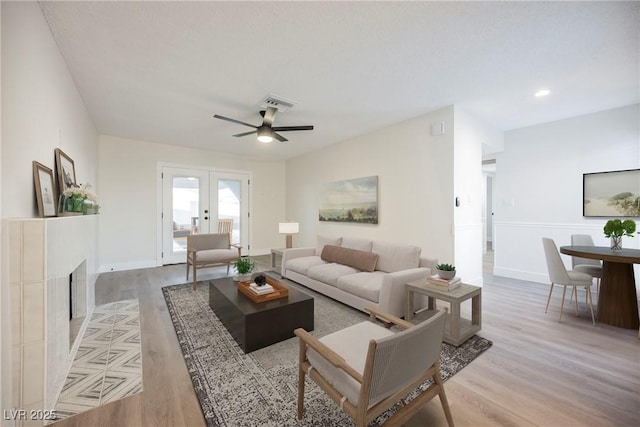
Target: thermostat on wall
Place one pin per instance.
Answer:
(437, 129)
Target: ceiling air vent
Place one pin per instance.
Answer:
(278, 102)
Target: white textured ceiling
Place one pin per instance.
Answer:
(158, 71)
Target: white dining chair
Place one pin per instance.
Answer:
(592, 267)
(559, 275)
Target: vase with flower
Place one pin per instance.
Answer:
(615, 229)
(78, 200)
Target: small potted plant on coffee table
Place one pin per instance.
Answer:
(244, 267)
(446, 271)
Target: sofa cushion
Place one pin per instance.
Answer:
(330, 273)
(365, 261)
(365, 285)
(396, 257)
(301, 265)
(351, 344)
(358, 244)
(324, 240)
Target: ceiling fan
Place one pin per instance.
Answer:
(266, 131)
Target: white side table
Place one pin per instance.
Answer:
(274, 252)
(457, 330)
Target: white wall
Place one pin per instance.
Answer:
(470, 134)
(415, 185)
(539, 185)
(128, 198)
(41, 110)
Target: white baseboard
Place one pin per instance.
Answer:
(258, 252)
(122, 266)
(520, 274)
(477, 281)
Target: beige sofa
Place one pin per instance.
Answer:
(358, 272)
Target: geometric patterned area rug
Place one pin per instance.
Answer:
(260, 388)
(108, 364)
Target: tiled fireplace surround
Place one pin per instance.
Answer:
(42, 255)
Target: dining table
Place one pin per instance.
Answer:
(617, 301)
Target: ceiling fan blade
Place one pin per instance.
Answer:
(279, 137)
(246, 133)
(269, 116)
(216, 116)
(286, 128)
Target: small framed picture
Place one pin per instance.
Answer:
(66, 171)
(45, 193)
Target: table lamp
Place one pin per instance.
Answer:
(289, 228)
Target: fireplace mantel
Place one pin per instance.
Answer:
(42, 255)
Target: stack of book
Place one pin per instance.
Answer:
(261, 290)
(443, 283)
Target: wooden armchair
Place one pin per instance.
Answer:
(366, 369)
(225, 226)
(208, 250)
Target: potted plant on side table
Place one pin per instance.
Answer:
(446, 271)
(244, 267)
(616, 228)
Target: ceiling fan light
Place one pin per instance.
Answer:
(264, 135)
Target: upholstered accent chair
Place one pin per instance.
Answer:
(559, 275)
(592, 267)
(208, 250)
(366, 368)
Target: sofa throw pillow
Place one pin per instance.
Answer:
(323, 240)
(364, 261)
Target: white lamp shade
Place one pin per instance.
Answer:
(288, 227)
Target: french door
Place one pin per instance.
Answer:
(192, 202)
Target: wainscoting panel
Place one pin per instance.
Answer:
(518, 246)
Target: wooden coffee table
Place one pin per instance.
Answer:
(257, 325)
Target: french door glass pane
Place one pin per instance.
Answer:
(229, 196)
(186, 208)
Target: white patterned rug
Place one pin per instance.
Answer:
(260, 388)
(108, 364)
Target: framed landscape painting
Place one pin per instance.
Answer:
(45, 197)
(611, 194)
(351, 200)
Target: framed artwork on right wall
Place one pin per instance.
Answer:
(611, 194)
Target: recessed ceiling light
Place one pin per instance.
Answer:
(542, 92)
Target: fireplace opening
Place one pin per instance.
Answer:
(77, 301)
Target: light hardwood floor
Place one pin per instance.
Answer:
(538, 373)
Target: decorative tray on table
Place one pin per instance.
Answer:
(279, 291)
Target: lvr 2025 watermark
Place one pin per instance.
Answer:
(28, 414)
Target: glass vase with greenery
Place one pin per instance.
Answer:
(615, 229)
